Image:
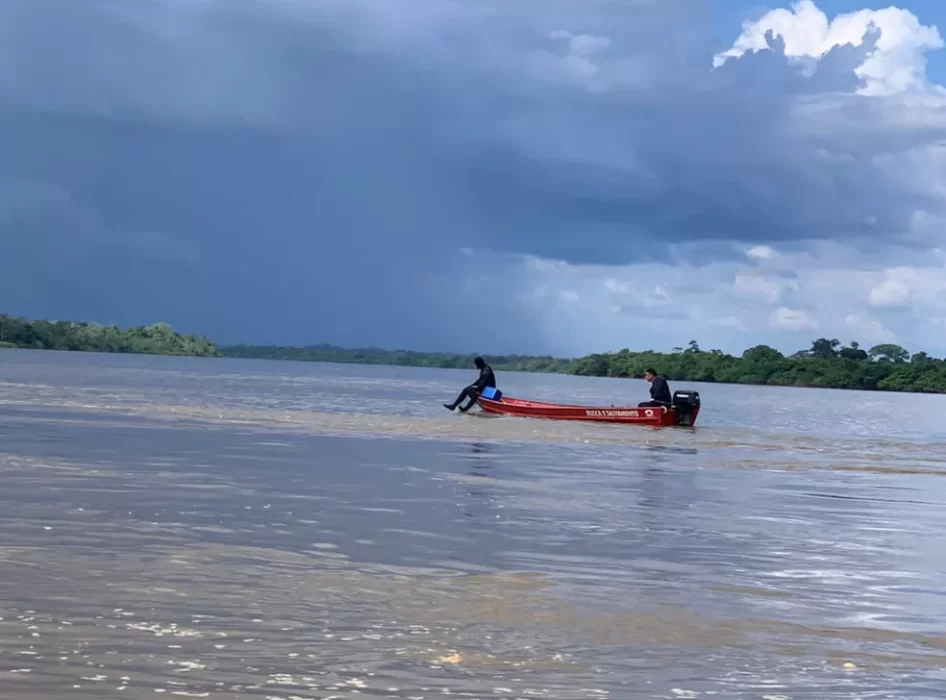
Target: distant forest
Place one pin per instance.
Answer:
(401, 358)
(156, 339)
(825, 364)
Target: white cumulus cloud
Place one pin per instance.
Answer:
(786, 301)
(762, 252)
(896, 63)
(890, 292)
(868, 331)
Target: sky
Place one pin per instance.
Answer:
(534, 176)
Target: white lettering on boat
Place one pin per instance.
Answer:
(612, 413)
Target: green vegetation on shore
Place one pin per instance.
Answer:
(825, 364)
(401, 358)
(156, 339)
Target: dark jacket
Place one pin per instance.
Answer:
(660, 390)
(486, 378)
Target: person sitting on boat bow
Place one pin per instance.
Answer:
(659, 390)
(486, 378)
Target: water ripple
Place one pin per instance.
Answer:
(175, 530)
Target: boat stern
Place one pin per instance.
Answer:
(686, 406)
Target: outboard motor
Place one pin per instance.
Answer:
(687, 406)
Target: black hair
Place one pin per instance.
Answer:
(650, 370)
(479, 361)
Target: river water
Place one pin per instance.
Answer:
(181, 527)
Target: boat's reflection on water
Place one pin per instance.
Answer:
(667, 449)
(633, 434)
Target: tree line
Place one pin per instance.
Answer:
(401, 358)
(826, 363)
(156, 339)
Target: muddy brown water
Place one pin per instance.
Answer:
(174, 527)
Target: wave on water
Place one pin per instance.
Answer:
(724, 446)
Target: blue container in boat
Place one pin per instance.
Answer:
(491, 392)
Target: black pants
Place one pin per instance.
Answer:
(469, 392)
(652, 404)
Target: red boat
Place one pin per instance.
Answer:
(683, 410)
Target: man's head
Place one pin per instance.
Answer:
(650, 374)
(479, 362)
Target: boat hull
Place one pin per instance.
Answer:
(625, 415)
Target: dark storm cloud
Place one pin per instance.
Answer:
(301, 171)
(316, 221)
(713, 159)
(286, 246)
